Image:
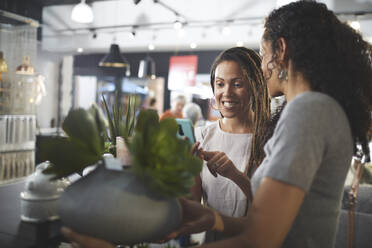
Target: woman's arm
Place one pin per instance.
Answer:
(243, 182)
(196, 190)
(269, 220)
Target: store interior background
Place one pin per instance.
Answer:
(68, 53)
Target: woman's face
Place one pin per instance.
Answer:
(269, 69)
(230, 90)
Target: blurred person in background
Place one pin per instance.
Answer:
(175, 111)
(193, 112)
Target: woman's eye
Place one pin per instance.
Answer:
(237, 84)
(219, 84)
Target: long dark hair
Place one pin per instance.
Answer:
(250, 64)
(331, 56)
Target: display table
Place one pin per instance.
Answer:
(15, 233)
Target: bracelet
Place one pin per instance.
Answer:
(218, 222)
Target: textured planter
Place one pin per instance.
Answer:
(116, 206)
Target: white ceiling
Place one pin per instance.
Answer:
(205, 18)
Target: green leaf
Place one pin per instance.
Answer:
(67, 157)
(160, 158)
(81, 126)
(101, 123)
(111, 123)
(147, 119)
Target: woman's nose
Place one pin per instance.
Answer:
(228, 89)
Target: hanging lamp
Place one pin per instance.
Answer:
(114, 58)
(146, 68)
(82, 13)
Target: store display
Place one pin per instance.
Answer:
(4, 87)
(23, 89)
(3, 65)
(17, 101)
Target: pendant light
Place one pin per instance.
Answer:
(82, 13)
(115, 59)
(146, 68)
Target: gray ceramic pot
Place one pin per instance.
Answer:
(116, 206)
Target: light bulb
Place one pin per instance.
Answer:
(177, 25)
(239, 43)
(226, 30)
(151, 46)
(82, 13)
(355, 25)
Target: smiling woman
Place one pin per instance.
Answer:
(242, 100)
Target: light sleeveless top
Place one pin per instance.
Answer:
(220, 193)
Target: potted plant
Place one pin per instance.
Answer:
(123, 206)
(122, 122)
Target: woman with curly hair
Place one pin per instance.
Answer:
(242, 99)
(324, 69)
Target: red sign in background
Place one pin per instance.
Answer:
(182, 71)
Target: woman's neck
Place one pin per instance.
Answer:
(235, 125)
(296, 85)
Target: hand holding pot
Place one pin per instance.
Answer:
(82, 241)
(196, 219)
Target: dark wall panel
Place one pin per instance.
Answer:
(88, 65)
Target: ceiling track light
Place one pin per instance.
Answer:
(177, 24)
(82, 13)
(226, 30)
(132, 34)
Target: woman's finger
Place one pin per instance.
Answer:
(214, 160)
(224, 166)
(208, 155)
(195, 147)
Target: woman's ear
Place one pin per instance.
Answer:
(282, 49)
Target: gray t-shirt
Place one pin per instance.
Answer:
(311, 148)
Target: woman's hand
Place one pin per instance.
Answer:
(219, 163)
(82, 241)
(196, 150)
(195, 219)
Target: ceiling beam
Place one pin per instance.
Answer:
(46, 3)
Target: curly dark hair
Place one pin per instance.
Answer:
(250, 64)
(331, 56)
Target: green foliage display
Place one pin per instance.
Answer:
(160, 158)
(84, 145)
(120, 124)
